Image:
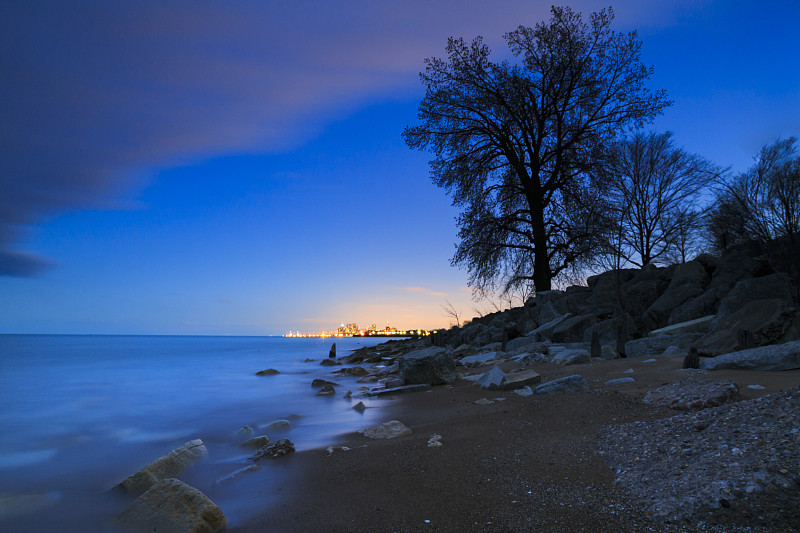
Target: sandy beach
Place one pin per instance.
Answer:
(517, 464)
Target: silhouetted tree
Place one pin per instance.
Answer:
(764, 204)
(653, 192)
(515, 143)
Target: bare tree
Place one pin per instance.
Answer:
(653, 191)
(515, 144)
(451, 312)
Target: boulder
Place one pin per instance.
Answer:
(463, 350)
(164, 467)
(524, 391)
(608, 351)
(576, 299)
(689, 280)
(776, 357)
(528, 343)
(273, 450)
(488, 335)
(356, 371)
(607, 290)
(645, 288)
(481, 359)
(387, 430)
(522, 378)
(171, 506)
(762, 321)
(549, 306)
(546, 329)
(607, 329)
(653, 346)
(698, 325)
(326, 390)
(492, 379)
(433, 366)
(360, 407)
(693, 393)
(329, 362)
(322, 382)
(267, 372)
(565, 385)
(256, 442)
(279, 424)
(619, 381)
(572, 356)
(774, 287)
(573, 328)
(526, 359)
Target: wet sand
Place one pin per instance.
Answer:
(519, 464)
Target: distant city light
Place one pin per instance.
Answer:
(352, 330)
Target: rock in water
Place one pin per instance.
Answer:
(360, 407)
(256, 442)
(171, 506)
(164, 467)
(329, 362)
(332, 353)
(433, 366)
(276, 449)
(267, 372)
(387, 430)
(326, 390)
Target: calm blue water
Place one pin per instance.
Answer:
(80, 413)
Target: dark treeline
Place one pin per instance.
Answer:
(550, 162)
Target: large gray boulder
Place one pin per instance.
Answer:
(528, 343)
(689, 280)
(607, 289)
(645, 288)
(653, 346)
(774, 286)
(546, 329)
(171, 506)
(565, 385)
(167, 466)
(762, 322)
(573, 328)
(571, 356)
(493, 379)
(607, 329)
(481, 358)
(776, 357)
(433, 366)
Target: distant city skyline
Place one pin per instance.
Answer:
(237, 168)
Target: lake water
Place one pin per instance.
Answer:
(81, 413)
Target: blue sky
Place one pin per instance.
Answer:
(237, 167)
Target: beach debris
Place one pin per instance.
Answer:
(331, 449)
(565, 385)
(236, 473)
(245, 430)
(278, 424)
(332, 353)
(267, 372)
(619, 381)
(398, 390)
(21, 504)
(693, 393)
(275, 449)
(435, 440)
(432, 366)
(492, 379)
(524, 391)
(319, 382)
(329, 362)
(171, 505)
(326, 390)
(756, 387)
(360, 407)
(164, 467)
(483, 401)
(387, 430)
(256, 442)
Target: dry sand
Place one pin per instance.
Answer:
(520, 464)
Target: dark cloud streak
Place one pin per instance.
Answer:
(95, 94)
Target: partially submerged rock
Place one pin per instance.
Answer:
(256, 442)
(326, 390)
(273, 450)
(387, 430)
(172, 506)
(164, 467)
(267, 372)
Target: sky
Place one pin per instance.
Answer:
(237, 168)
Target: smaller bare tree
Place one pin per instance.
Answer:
(653, 187)
(451, 312)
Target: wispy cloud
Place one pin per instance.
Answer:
(424, 291)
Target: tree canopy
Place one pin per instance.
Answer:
(515, 143)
